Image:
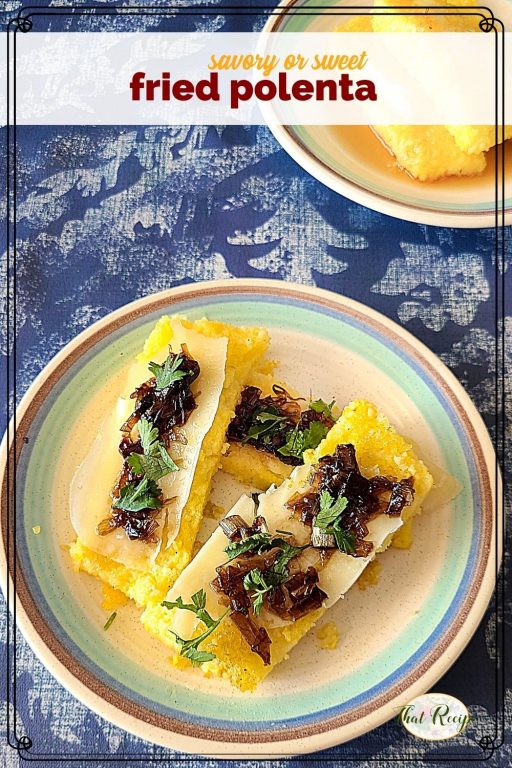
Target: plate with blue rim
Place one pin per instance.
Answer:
(396, 638)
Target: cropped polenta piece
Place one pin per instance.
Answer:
(393, 19)
(271, 569)
(429, 152)
(478, 138)
(137, 516)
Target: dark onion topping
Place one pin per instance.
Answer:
(236, 529)
(293, 596)
(230, 578)
(257, 637)
(339, 475)
(170, 407)
(282, 405)
(304, 594)
(167, 409)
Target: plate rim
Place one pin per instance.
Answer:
(325, 737)
(320, 170)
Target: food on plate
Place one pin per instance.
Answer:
(137, 514)
(270, 432)
(277, 562)
(430, 152)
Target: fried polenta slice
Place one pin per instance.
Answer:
(379, 450)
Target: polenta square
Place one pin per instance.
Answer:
(137, 514)
(272, 568)
(429, 152)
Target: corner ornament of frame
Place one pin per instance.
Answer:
(488, 22)
(22, 23)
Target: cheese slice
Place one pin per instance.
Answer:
(94, 480)
(143, 572)
(379, 450)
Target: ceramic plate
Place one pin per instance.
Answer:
(352, 161)
(397, 638)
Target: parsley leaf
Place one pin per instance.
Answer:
(320, 406)
(136, 496)
(260, 583)
(148, 435)
(267, 423)
(152, 467)
(155, 463)
(256, 581)
(169, 372)
(298, 440)
(314, 434)
(262, 542)
(329, 520)
(288, 552)
(330, 509)
(258, 542)
(197, 606)
(294, 444)
(196, 656)
(345, 540)
(190, 648)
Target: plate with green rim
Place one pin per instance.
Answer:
(351, 160)
(426, 608)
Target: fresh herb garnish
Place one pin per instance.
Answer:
(260, 583)
(298, 440)
(325, 409)
(155, 462)
(136, 496)
(263, 542)
(169, 372)
(267, 423)
(109, 621)
(314, 434)
(190, 648)
(329, 520)
(330, 509)
(258, 542)
(256, 581)
(288, 552)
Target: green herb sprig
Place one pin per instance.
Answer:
(298, 440)
(259, 543)
(256, 581)
(190, 648)
(259, 583)
(265, 423)
(329, 520)
(138, 495)
(325, 409)
(169, 372)
(155, 462)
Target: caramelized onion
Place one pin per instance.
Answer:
(283, 406)
(167, 409)
(257, 637)
(339, 475)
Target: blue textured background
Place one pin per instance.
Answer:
(106, 215)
